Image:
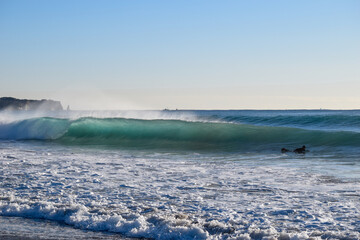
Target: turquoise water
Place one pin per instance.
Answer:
(184, 174)
(228, 130)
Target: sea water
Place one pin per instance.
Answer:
(180, 174)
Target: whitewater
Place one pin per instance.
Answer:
(180, 174)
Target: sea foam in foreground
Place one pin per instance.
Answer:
(185, 174)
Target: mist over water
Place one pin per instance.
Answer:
(185, 174)
(221, 130)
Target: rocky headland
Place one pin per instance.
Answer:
(14, 104)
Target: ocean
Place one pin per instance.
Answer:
(177, 174)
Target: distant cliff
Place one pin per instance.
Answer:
(9, 103)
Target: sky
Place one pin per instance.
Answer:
(198, 54)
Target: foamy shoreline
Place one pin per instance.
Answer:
(159, 186)
(18, 228)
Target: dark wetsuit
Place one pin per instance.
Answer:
(300, 150)
(284, 150)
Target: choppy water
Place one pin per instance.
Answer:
(185, 174)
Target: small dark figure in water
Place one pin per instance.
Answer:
(284, 150)
(301, 150)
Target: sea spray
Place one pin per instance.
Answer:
(154, 182)
(172, 134)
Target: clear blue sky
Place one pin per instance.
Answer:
(182, 54)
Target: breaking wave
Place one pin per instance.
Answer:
(170, 133)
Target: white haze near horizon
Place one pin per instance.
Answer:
(119, 55)
(275, 97)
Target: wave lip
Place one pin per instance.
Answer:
(171, 134)
(43, 128)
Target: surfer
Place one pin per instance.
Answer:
(301, 150)
(284, 150)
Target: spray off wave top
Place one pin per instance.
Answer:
(170, 133)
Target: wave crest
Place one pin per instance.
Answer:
(171, 133)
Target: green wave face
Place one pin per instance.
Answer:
(182, 134)
(150, 133)
(175, 134)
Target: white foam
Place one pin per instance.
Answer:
(177, 196)
(79, 216)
